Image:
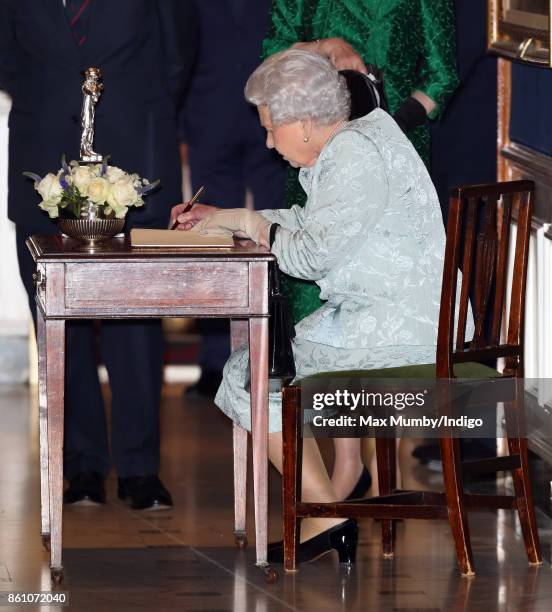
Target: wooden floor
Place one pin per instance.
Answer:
(184, 559)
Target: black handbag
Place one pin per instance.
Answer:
(281, 331)
(367, 92)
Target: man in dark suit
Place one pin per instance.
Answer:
(226, 142)
(145, 50)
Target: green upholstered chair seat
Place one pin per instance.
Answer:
(426, 370)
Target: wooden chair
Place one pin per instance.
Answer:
(478, 237)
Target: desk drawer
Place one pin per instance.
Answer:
(151, 285)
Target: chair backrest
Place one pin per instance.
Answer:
(480, 243)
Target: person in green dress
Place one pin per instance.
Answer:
(412, 42)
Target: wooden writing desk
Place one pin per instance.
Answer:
(119, 282)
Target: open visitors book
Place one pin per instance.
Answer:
(175, 238)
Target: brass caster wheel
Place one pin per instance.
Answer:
(271, 575)
(57, 575)
(46, 541)
(241, 540)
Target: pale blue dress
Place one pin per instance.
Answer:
(371, 236)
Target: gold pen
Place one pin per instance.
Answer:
(189, 205)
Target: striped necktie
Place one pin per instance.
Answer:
(77, 15)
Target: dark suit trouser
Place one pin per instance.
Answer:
(133, 354)
(227, 168)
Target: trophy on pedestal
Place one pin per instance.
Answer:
(92, 90)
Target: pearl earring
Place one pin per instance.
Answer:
(306, 139)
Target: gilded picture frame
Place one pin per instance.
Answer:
(521, 30)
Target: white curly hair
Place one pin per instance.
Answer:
(296, 85)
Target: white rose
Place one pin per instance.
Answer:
(123, 194)
(81, 179)
(50, 207)
(115, 174)
(50, 189)
(98, 190)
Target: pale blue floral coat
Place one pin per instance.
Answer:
(371, 236)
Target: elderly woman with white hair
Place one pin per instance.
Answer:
(370, 235)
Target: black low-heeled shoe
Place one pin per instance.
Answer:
(362, 486)
(342, 538)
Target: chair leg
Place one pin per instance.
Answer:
(291, 478)
(452, 475)
(524, 500)
(387, 482)
(240, 484)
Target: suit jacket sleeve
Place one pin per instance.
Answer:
(438, 73)
(7, 46)
(180, 32)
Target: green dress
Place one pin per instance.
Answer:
(412, 41)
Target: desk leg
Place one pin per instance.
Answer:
(43, 431)
(238, 337)
(55, 375)
(258, 353)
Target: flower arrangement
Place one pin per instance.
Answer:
(77, 188)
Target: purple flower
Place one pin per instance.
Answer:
(63, 182)
(33, 176)
(105, 163)
(145, 189)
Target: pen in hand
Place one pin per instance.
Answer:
(197, 195)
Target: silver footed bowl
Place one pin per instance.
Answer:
(91, 231)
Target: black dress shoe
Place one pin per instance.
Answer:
(343, 538)
(362, 486)
(207, 385)
(145, 493)
(86, 488)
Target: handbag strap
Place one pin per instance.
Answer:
(273, 270)
(272, 233)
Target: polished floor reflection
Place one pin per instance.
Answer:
(184, 559)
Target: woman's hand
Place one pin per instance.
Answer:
(428, 103)
(340, 53)
(187, 220)
(240, 221)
